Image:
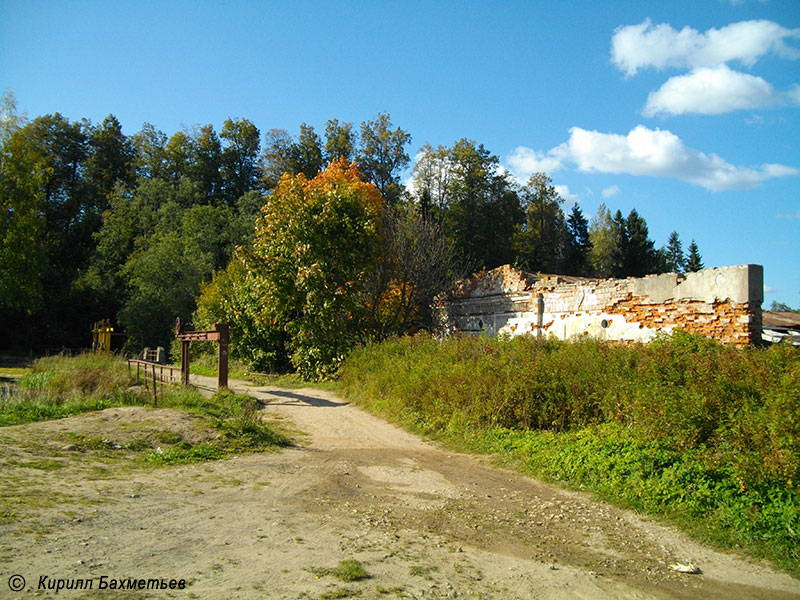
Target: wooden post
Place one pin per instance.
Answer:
(185, 362)
(224, 339)
(155, 389)
(220, 333)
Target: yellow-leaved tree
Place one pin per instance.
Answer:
(331, 267)
(300, 289)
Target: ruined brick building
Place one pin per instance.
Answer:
(722, 303)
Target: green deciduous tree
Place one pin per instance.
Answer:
(276, 157)
(151, 153)
(477, 207)
(240, 171)
(782, 307)
(179, 153)
(111, 161)
(605, 244)
(340, 141)
(206, 164)
(313, 251)
(382, 155)
(231, 297)
(542, 243)
(163, 278)
(23, 249)
(307, 152)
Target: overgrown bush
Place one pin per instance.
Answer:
(683, 426)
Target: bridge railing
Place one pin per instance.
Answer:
(153, 373)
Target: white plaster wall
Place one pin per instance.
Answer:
(578, 309)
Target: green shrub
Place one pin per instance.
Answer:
(685, 427)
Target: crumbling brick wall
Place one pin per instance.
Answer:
(722, 303)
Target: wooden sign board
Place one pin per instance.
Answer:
(218, 333)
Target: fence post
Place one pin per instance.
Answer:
(222, 363)
(155, 389)
(184, 362)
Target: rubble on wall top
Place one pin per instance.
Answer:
(510, 280)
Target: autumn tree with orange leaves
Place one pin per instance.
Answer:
(315, 245)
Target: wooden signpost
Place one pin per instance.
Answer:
(218, 333)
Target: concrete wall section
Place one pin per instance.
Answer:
(722, 303)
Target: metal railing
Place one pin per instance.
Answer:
(153, 373)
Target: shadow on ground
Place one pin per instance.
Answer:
(295, 399)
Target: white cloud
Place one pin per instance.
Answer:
(654, 153)
(523, 162)
(711, 91)
(610, 191)
(635, 47)
(565, 193)
(793, 95)
(788, 216)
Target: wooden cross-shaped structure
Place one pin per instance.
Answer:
(218, 333)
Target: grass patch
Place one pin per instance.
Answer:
(26, 406)
(204, 361)
(347, 570)
(13, 372)
(292, 381)
(701, 433)
(422, 571)
(178, 455)
(234, 418)
(337, 593)
(43, 465)
(58, 387)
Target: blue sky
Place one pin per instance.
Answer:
(687, 111)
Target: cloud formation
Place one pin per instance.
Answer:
(710, 87)
(644, 151)
(642, 46)
(711, 91)
(610, 191)
(565, 193)
(525, 160)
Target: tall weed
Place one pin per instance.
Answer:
(684, 426)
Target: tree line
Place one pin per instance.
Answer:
(99, 224)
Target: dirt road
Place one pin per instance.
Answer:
(423, 522)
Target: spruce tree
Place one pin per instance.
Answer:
(579, 245)
(639, 259)
(620, 232)
(676, 262)
(695, 261)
